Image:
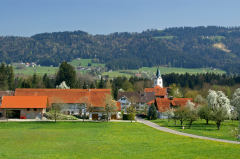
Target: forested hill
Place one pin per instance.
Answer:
(187, 47)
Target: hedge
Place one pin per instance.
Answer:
(128, 116)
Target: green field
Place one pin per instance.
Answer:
(103, 140)
(217, 37)
(165, 70)
(200, 128)
(39, 70)
(164, 37)
(52, 70)
(84, 63)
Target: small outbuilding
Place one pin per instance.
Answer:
(28, 107)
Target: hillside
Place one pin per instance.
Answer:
(184, 47)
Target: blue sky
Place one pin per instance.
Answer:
(29, 17)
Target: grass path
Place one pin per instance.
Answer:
(103, 140)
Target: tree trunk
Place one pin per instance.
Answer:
(175, 122)
(107, 116)
(181, 122)
(218, 125)
(131, 117)
(55, 115)
(190, 124)
(207, 121)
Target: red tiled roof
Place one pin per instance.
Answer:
(24, 102)
(66, 95)
(163, 104)
(149, 103)
(159, 91)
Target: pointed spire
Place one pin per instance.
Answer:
(158, 73)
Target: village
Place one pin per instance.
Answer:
(35, 103)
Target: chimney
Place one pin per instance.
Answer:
(171, 98)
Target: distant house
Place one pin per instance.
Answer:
(159, 92)
(141, 98)
(138, 75)
(30, 107)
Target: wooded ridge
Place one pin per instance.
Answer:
(187, 47)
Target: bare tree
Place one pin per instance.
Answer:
(108, 104)
(57, 104)
(132, 108)
(84, 104)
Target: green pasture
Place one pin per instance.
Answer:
(84, 63)
(165, 70)
(217, 37)
(39, 70)
(199, 127)
(116, 74)
(163, 37)
(103, 140)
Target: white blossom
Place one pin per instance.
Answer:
(218, 100)
(190, 105)
(236, 99)
(63, 85)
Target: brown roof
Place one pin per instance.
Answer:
(159, 91)
(66, 95)
(163, 104)
(144, 97)
(24, 102)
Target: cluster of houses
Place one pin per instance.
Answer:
(31, 64)
(33, 103)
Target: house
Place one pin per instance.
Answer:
(141, 98)
(159, 92)
(138, 75)
(164, 104)
(75, 100)
(29, 107)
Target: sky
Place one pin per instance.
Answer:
(29, 17)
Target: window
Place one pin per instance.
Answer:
(122, 98)
(35, 109)
(123, 103)
(142, 103)
(28, 109)
(127, 103)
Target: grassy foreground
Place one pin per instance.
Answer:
(199, 127)
(103, 140)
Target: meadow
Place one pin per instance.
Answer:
(41, 70)
(165, 70)
(103, 140)
(199, 127)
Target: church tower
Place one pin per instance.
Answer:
(158, 79)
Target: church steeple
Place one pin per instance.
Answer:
(158, 73)
(158, 80)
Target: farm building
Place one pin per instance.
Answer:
(139, 98)
(164, 104)
(29, 107)
(74, 101)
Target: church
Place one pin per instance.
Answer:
(162, 101)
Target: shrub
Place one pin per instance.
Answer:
(128, 116)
